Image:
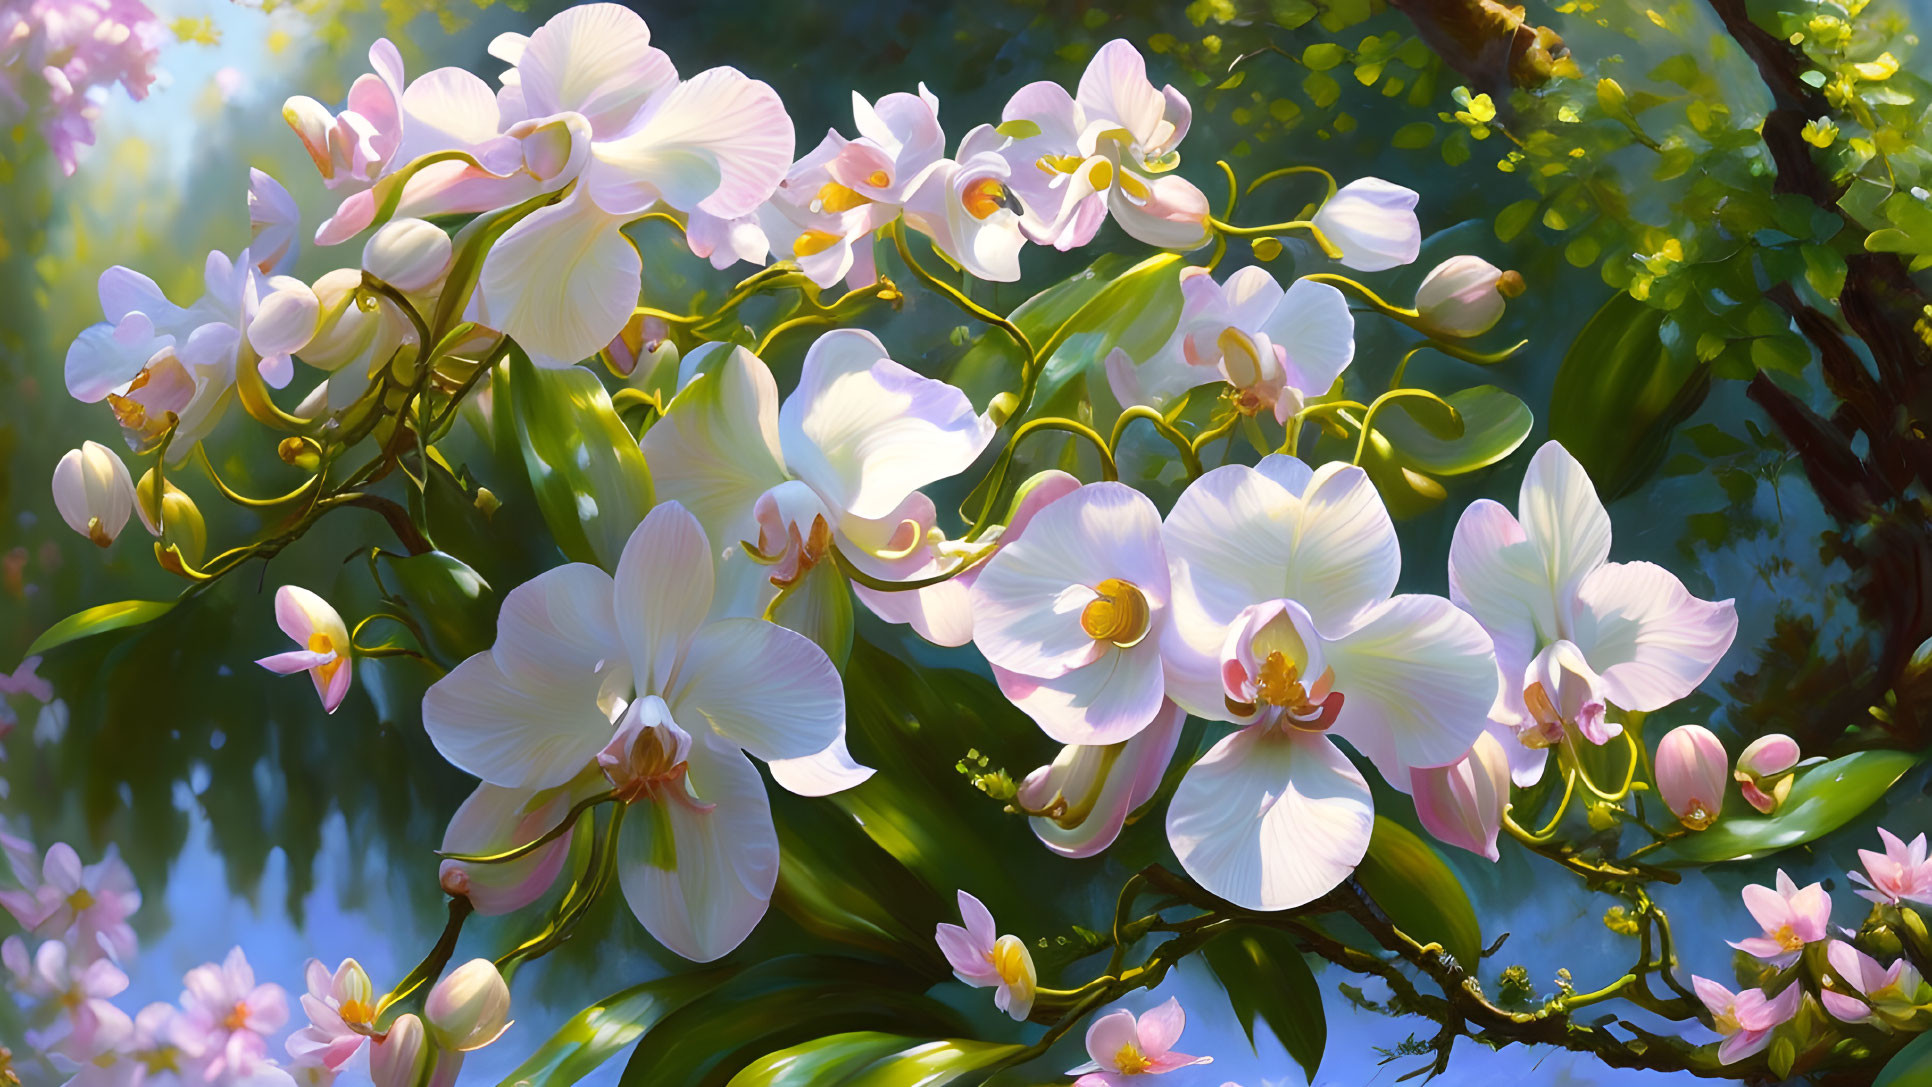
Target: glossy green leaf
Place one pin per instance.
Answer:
(1266, 977)
(1620, 393)
(839, 884)
(452, 603)
(872, 1059)
(587, 471)
(600, 1031)
(1420, 893)
(99, 620)
(1909, 1067)
(1494, 424)
(778, 1003)
(1823, 798)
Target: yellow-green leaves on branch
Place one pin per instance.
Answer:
(1408, 879)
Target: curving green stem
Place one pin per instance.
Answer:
(1190, 457)
(432, 965)
(232, 495)
(996, 479)
(517, 853)
(897, 230)
(1288, 171)
(1307, 226)
(853, 573)
(1368, 416)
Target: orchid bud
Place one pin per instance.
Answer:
(93, 492)
(1764, 771)
(469, 1008)
(174, 517)
(397, 1058)
(1001, 408)
(344, 331)
(1081, 800)
(1373, 223)
(1462, 804)
(1691, 771)
(1464, 296)
(410, 255)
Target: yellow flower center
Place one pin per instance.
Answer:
(237, 1017)
(80, 900)
(984, 196)
(1131, 1061)
(1118, 614)
(835, 198)
(322, 643)
(878, 179)
(356, 1013)
(814, 241)
(1788, 939)
(1059, 164)
(1009, 958)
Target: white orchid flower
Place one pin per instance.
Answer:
(594, 103)
(630, 674)
(969, 208)
(839, 463)
(1275, 348)
(150, 357)
(1071, 616)
(1373, 223)
(1282, 621)
(1107, 148)
(1575, 633)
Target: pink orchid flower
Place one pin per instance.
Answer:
(319, 630)
(341, 1007)
(1900, 874)
(1123, 1047)
(91, 902)
(84, 991)
(1746, 1019)
(981, 957)
(1791, 917)
(1889, 994)
(226, 1019)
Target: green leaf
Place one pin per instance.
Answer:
(1321, 89)
(1414, 134)
(1494, 424)
(1909, 1067)
(597, 1033)
(587, 471)
(1322, 56)
(1419, 892)
(1511, 220)
(455, 607)
(99, 620)
(839, 884)
(1018, 129)
(871, 1059)
(1620, 393)
(777, 1003)
(1823, 798)
(1265, 975)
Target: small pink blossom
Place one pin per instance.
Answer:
(226, 1019)
(1878, 992)
(981, 957)
(90, 903)
(1123, 1047)
(1790, 916)
(1691, 772)
(84, 991)
(1900, 874)
(342, 1010)
(1745, 1019)
(325, 652)
(1764, 770)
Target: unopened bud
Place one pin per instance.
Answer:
(398, 1057)
(487, 502)
(93, 492)
(1266, 249)
(1764, 771)
(1691, 771)
(173, 516)
(1463, 297)
(302, 452)
(1002, 408)
(410, 255)
(469, 1008)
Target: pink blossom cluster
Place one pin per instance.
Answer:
(1852, 986)
(66, 969)
(59, 57)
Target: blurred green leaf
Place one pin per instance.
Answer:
(777, 1003)
(1909, 1067)
(597, 1033)
(1823, 798)
(1620, 393)
(839, 884)
(99, 620)
(1265, 975)
(871, 1059)
(1419, 892)
(587, 471)
(455, 607)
